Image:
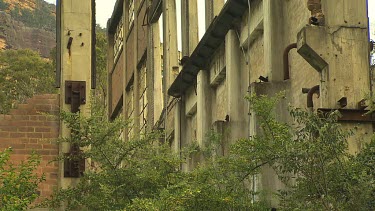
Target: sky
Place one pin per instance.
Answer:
(104, 10)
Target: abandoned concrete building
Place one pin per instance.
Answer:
(184, 66)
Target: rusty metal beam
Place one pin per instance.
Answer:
(351, 115)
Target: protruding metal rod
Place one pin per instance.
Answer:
(286, 60)
(312, 91)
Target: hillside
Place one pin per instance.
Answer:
(27, 24)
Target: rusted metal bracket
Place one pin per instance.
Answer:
(351, 115)
(75, 95)
(74, 164)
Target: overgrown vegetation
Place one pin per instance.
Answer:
(18, 183)
(23, 73)
(310, 158)
(41, 18)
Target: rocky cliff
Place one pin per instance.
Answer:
(27, 24)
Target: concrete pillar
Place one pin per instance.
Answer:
(213, 8)
(136, 74)
(76, 64)
(236, 110)
(110, 63)
(170, 51)
(189, 25)
(203, 106)
(339, 52)
(125, 30)
(273, 39)
(154, 70)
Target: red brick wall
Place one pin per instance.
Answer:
(34, 126)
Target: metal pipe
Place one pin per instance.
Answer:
(286, 60)
(312, 91)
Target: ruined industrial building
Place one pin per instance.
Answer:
(184, 67)
(189, 83)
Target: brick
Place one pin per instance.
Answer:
(53, 118)
(43, 107)
(50, 146)
(35, 124)
(43, 152)
(23, 151)
(53, 176)
(35, 135)
(34, 146)
(19, 123)
(33, 117)
(4, 135)
(26, 129)
(42, 118)
(8, 129)
(33, 140)
(50, 159)
(17, 135)
(49, 170)
(19, 112)
(50, 135)
(55, 124)
(20, 117)
(13, 145)
(43, 129)
(17, 157)
(53, 151)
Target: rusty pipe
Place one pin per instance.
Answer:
(286, 60)
(312, 91)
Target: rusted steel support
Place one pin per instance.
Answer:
(317, 16)
(286, 60)
(350, 115)
(312, 91)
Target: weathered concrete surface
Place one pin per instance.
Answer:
(76, 64)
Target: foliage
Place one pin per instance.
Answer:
(310, 157)
(3, 5)
(23, 73)
(100, 93)
(18, 183)
(41, 17)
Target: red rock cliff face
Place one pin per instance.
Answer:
(16, 35)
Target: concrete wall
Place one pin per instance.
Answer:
(254, 47)
(34, 126)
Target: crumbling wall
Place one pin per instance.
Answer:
(34, 126)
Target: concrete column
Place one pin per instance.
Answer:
(203, 106)
(170, 51)
(158, 92)
(193, 25)
(76, 64)
(177, 126)
(136, 74)
(189, 25)
(110, 63)
(154, 70)
(125, 30)
(185, 27)
(236, 100)
(273, 39)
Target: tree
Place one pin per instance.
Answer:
(18, 183)
(23, 73)
(143, 174)
(100, 93)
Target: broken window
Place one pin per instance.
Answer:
(131, 13)
(118, 39)
(143, 103)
